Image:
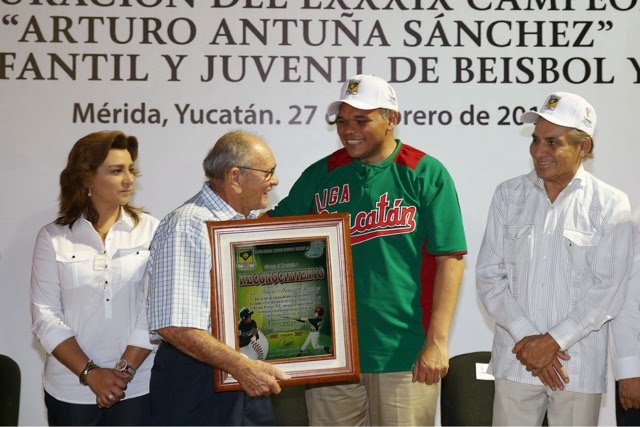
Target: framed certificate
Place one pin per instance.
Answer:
(282, 292)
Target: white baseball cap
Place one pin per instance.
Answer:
(565, 109)
(365, 92)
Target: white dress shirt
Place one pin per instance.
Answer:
(625, 328)
(555, 267)
(95, 292)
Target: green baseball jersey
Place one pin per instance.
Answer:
(403, 211)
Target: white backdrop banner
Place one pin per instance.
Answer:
(178, 74)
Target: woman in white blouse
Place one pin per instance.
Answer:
(88, 290)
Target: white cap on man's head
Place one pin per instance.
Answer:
(565, 109)
(365, 92)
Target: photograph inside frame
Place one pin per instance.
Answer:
(283, 303)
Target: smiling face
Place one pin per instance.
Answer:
(367, 135)
(113, 182)
(256, 184)
(556, 156)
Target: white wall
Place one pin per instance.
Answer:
(37, 125)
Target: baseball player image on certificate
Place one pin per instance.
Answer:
(314, 335)
(252, 343)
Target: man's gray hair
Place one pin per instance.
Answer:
(577, 136)
(231, 150)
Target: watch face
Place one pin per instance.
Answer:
(121, 365)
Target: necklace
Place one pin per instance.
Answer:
(104, 225)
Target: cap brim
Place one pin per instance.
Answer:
(334, 107)
(533, 116)
(529, 117)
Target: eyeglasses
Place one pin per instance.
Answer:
(268, 175)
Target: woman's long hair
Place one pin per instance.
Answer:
(84, 159)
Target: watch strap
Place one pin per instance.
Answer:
(129, 370)
(123, 366)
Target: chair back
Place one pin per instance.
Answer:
(465, 399)
(9, 391)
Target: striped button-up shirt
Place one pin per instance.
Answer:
(559, 268)
(180, 263)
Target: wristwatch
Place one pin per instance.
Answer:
(123, 366)
(88, 368)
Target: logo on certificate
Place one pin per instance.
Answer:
(245, 258)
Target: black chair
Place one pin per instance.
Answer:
(464, 399)
(9, 391)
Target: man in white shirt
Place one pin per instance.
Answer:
(625, 346)
(551, 271)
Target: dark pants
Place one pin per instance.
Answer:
(130, 412)
(626, 418)
(182, 394)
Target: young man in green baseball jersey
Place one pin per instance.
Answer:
(407, 244)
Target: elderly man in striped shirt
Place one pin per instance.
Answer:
(551, 271)
(241, 172)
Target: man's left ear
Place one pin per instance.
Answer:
(585, 146)
(234, 176)
(394, 118)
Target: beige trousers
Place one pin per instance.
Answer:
(378, 399)
(517, 404)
